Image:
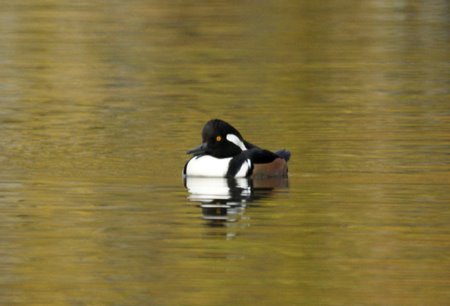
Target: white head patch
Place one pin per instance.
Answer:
(234, 139)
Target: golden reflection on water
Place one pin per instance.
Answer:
(99, 102)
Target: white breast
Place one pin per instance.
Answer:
(209, 166)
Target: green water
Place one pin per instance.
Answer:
(100, 100)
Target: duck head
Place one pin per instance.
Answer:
(220, 140)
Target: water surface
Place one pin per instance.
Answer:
(99, 102)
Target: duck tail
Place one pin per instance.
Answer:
(284, 154)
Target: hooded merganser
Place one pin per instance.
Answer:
(225, 153)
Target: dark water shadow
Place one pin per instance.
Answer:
(225, 200)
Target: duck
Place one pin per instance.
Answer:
(225, 153)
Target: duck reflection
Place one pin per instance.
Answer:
(225, 199)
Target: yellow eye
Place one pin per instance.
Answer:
(218, 138)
